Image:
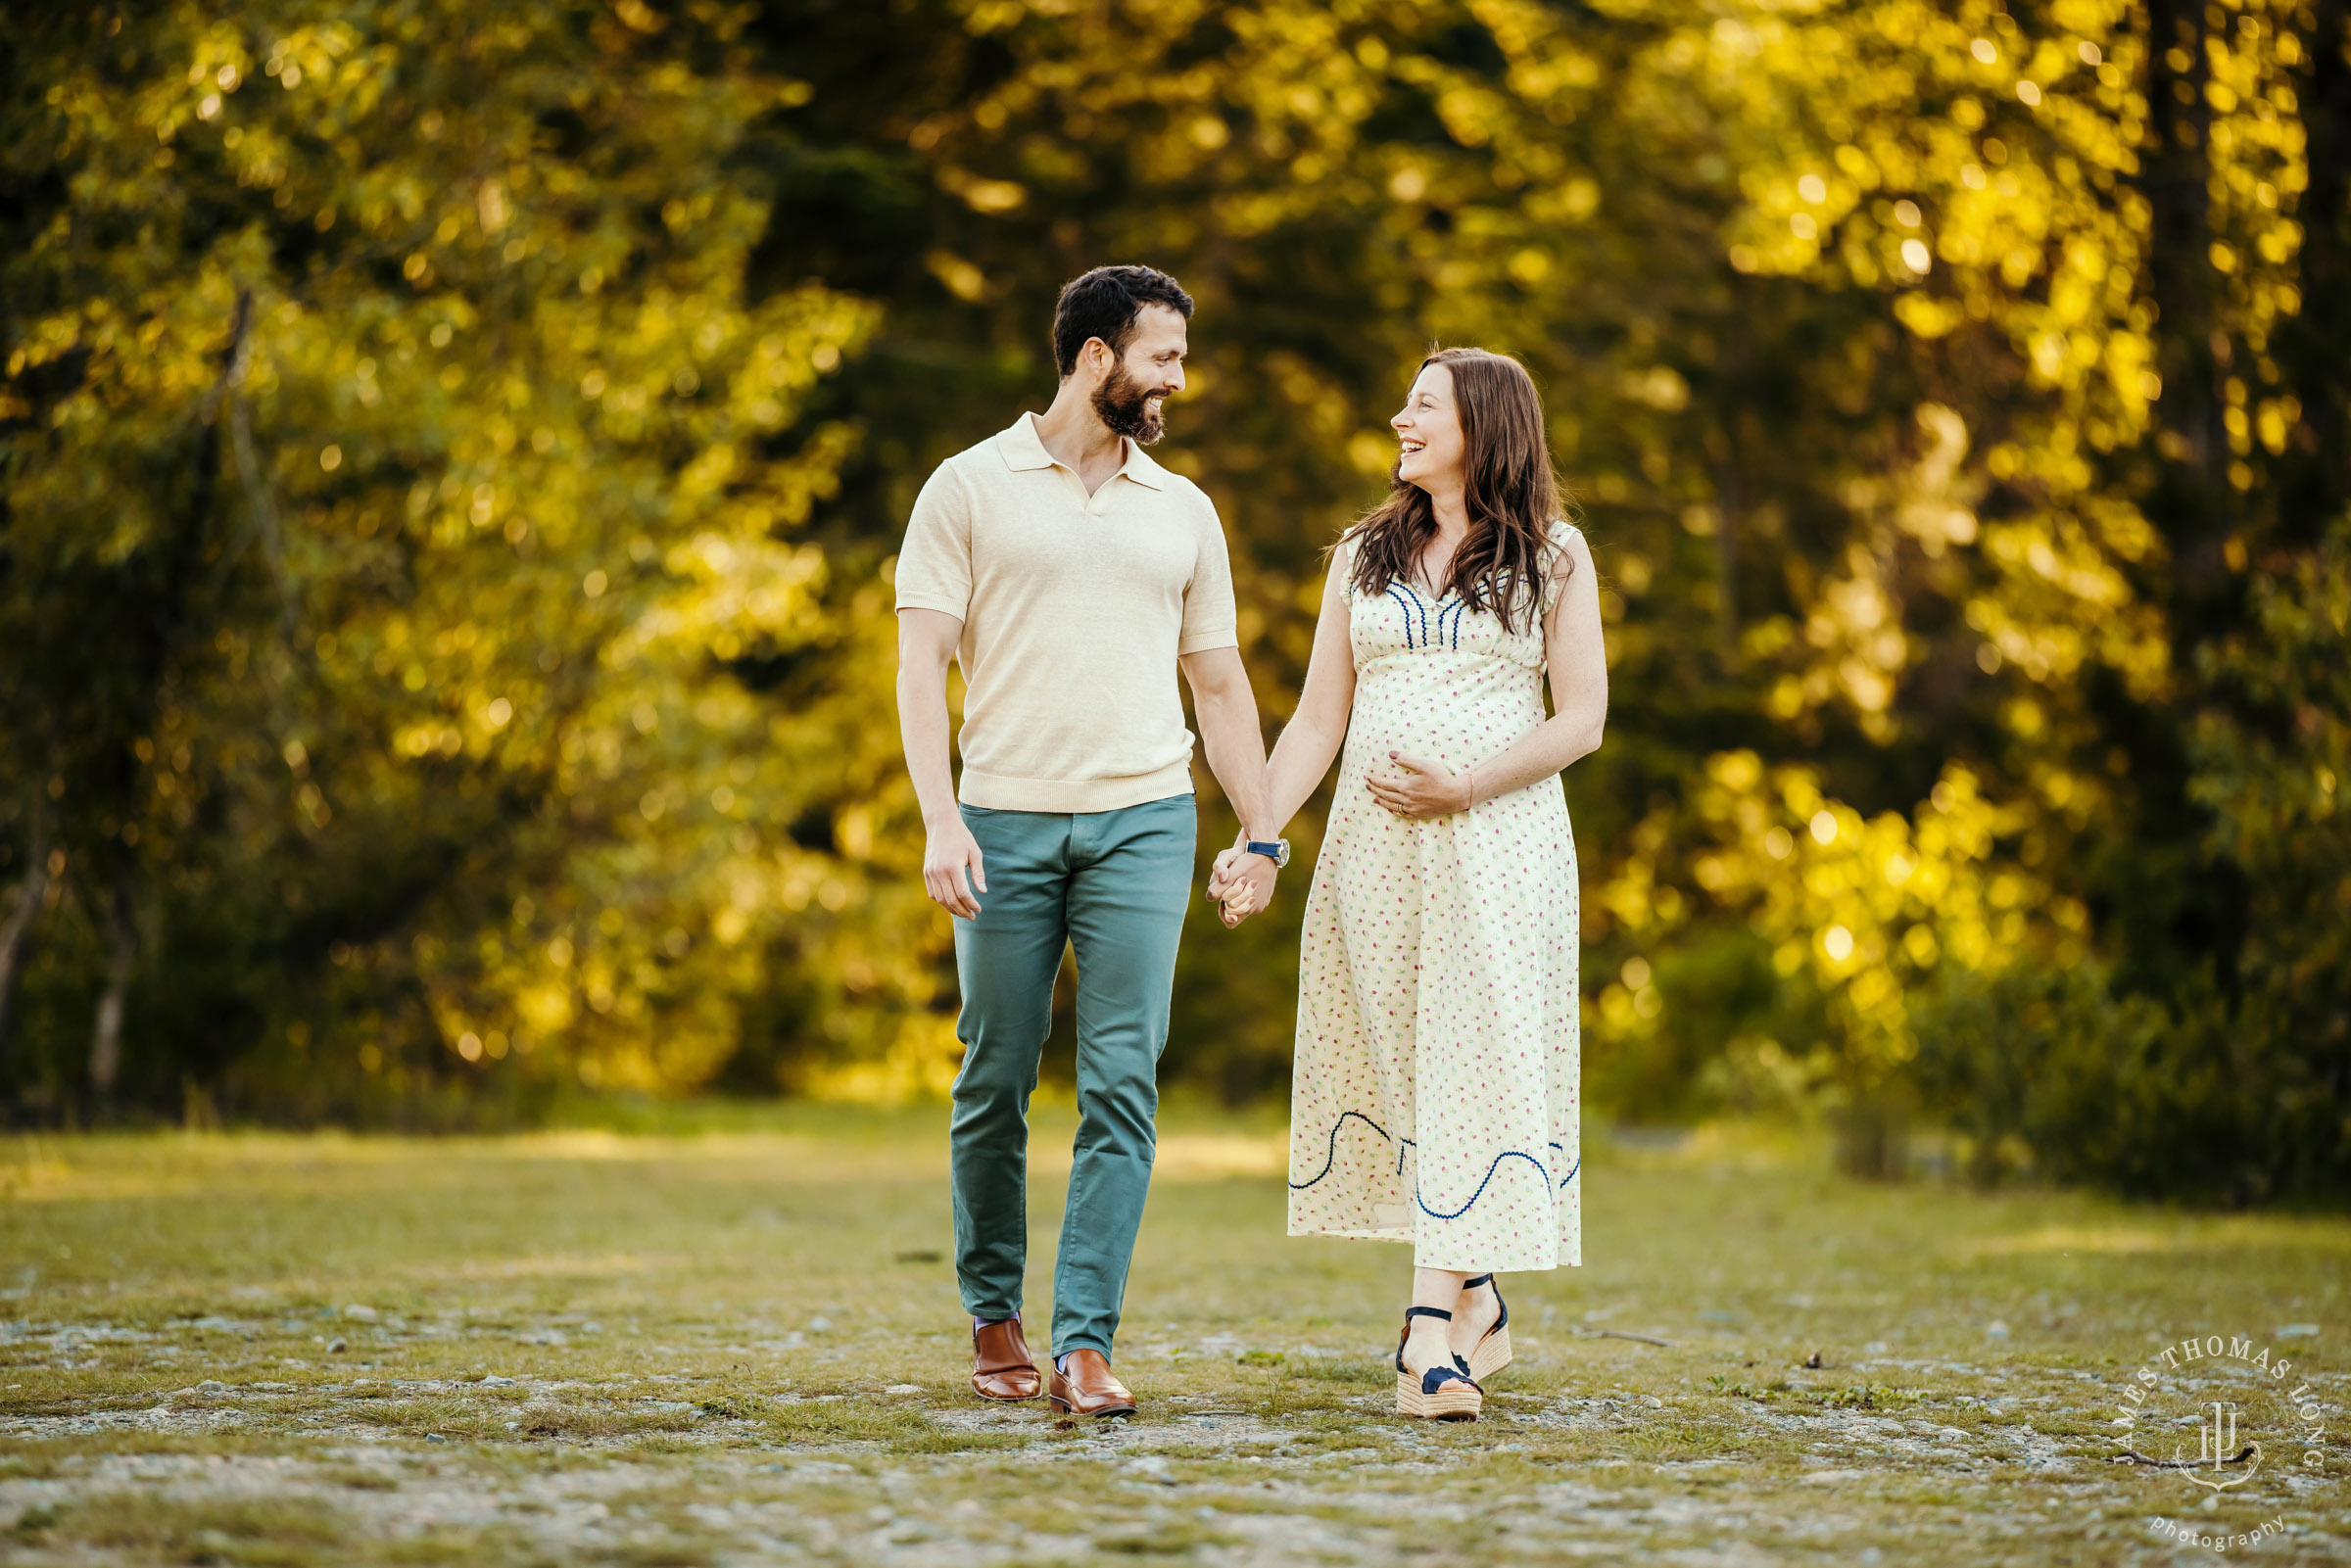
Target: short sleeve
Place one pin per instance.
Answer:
(1556, 569)
(935, 565)
(1209, 618)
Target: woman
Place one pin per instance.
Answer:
(1434, 1097)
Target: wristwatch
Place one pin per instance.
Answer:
(1278, 851)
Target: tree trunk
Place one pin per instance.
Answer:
(2188, 504)
(2317, 484)
(1730, 503)
(1734, 387)
(161, 632)
(2165, 926)
(123, 951)
(16, 936)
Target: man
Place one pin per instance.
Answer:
(1071, 575)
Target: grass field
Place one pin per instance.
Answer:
(744, 1347)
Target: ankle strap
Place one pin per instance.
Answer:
(1410, 1312)
(1472, 1284)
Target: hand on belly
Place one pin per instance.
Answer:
(1418, 788)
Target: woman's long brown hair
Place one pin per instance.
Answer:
(1512, 495)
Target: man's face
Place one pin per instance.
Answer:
(1129, 397)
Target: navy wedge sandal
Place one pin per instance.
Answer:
(1440, 1394)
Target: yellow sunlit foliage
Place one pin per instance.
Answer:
(1863, 911)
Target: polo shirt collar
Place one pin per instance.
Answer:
(1141, 469)
(1023, 449)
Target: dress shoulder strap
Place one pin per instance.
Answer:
(1554, 578)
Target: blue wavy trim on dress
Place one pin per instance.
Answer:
(1330, 1157)
(1451, 634)
(1449, 612)
(1413, 612)
(1507, 1154)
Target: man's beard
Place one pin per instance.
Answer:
(1127, 409)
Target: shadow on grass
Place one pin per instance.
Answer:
(844, 1420)
(264, 1531)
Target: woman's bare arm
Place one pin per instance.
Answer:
(1310, 740)
(1578, 660)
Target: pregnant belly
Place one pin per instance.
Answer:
(1454, 736)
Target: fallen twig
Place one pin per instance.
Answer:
(1622, 1334)
(2132, 1456)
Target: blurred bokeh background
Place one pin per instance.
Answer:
(452, 456)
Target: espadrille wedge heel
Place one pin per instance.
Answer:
(1492, 1353)
(1440, 1394)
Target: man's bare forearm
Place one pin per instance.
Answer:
(1227, 709)
(922, 732)
(1237, 756)
(953, 867)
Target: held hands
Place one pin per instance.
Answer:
(1241, 884)
(1426, 791)
(947, 849)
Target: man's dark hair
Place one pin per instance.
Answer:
(1105, 302)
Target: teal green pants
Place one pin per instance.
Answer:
(1114, 887)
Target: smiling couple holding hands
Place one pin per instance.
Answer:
(1434, 1097)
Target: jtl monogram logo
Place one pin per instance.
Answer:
(2217, 1440)
(2177, 1385)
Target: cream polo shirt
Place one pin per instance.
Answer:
(1074, 610)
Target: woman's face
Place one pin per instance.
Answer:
(1430, 429)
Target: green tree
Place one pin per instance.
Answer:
(398, 497)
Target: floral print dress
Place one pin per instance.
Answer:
(1435, 1091)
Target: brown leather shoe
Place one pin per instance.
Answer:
(1088, 1389)
(1002, 1366)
